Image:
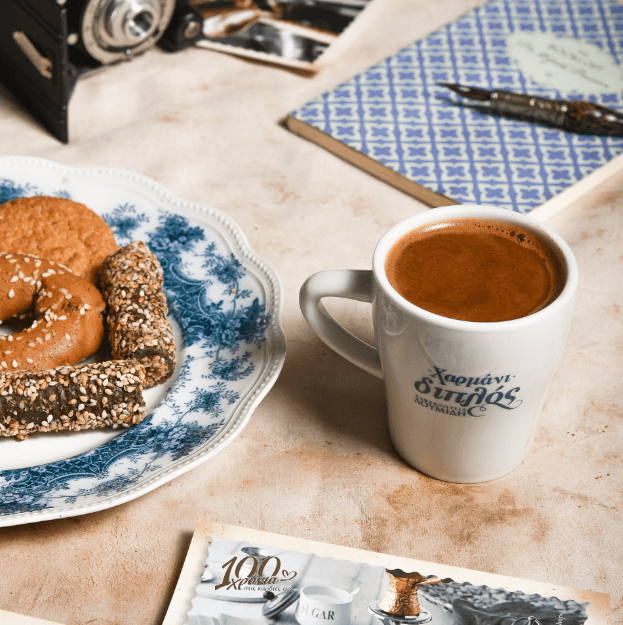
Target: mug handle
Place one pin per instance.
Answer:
(351, 284)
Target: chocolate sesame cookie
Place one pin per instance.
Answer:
(68, 324)
(71, 398)
(131, 282)
(57, 229)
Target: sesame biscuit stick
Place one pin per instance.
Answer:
(71, 398)
(131, 280)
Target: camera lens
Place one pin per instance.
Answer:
(114, 30)
(140, 25)
(130, 22)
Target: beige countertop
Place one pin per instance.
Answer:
(315, 460)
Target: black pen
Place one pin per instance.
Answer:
(575, 116)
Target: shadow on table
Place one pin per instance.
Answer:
(183, 543)
(325, 389)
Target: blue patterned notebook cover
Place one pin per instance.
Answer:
(396, 114)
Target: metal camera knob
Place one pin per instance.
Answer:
(116, 30)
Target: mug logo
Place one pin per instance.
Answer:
(451, 396)
(268, 573)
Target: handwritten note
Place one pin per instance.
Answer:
(566, 64)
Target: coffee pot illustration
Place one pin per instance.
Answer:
(400, 605)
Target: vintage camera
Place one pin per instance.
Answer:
(46, 45)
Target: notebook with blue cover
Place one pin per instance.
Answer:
(394, 121)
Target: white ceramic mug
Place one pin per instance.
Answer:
(463, 397)
(323, 605)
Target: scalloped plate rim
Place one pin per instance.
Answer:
(275, 344)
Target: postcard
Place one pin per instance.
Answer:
(238, 576)
(304, 35)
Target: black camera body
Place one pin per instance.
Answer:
(46, 45)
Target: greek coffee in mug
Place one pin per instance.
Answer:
(475, 270)
(471, 308)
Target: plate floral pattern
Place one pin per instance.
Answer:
(227, 303)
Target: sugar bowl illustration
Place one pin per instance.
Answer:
(324, 605)
(400, 604)
(317, 605)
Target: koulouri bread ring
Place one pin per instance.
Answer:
(68, 314)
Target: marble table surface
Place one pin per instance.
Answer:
(315, 461)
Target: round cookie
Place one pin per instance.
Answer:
(57, 229)
(68, 312)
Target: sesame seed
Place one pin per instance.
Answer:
(14, 279)
(14, 363)
(11, 293)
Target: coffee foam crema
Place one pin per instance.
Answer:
(475, 270)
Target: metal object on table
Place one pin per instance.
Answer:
(116, 30)
(184, 29)
(526, 620)
(570, 115)
(400, 604)
(206, 576)
(259, 554)
(45, 47)
(276, 604)
(424, 616)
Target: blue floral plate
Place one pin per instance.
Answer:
(225, 305)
